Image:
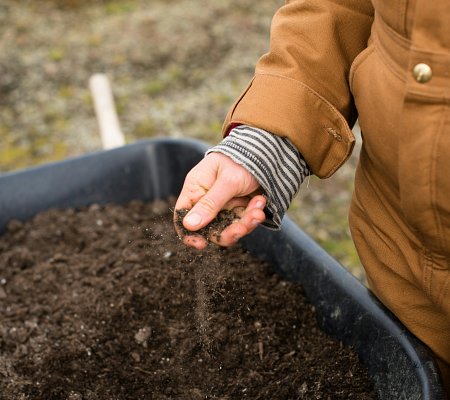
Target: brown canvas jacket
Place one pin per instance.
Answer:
(302, 86)
(387, 63)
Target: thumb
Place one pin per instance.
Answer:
(208, 206)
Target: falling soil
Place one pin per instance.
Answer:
(106, 303)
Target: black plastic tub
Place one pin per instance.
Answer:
(400, 366)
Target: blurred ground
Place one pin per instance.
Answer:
(175, 65)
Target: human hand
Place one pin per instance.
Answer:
(217, 183)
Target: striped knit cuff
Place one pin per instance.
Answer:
(273, 161)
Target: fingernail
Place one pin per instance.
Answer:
(259, 204)
(255, 222)
(193, 219)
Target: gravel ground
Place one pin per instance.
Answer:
(175, 66)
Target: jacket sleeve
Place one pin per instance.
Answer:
(301, 86)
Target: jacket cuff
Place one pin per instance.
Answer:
(290, 109)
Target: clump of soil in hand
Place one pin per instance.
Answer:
(107, 303)
(213, 229)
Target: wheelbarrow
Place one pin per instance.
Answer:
(399, 365)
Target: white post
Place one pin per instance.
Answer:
(110, 132)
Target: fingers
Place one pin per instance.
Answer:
(197, 183)
(205, 191)
(251, 218)
(204, 211)
(197, 241)
(208, 206)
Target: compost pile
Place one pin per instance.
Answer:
(106, 302)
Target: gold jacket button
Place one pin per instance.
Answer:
(422, 73)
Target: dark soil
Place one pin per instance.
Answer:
(107, 303)
(213, 229)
